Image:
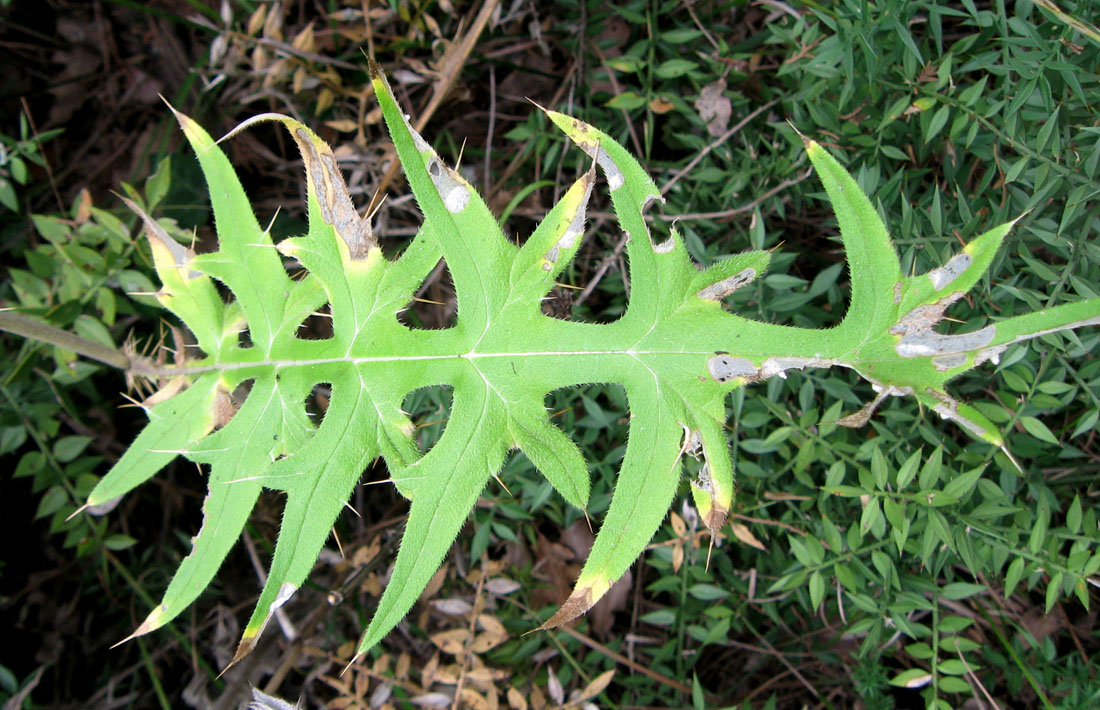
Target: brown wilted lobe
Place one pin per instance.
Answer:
(333, 198)
(578, 602)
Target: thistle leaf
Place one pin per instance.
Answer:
(677, 352)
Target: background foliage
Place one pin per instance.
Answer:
(860, 561)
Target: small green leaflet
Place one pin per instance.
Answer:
(677, 353)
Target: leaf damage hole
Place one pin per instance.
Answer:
(317, 402)
(434, 306)
(429, 408)
(317, 325)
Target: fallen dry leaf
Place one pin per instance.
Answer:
(597, 685)
(678, 525)
(677, 557)
(553, 686)
(432, 700)
(343, 125)
(401, 672)
(380, 695)
(661, 105)
(427, 675)
(452, 642)
(516, 701)
(452, 607)
(489, 623)
(742, 533)
(487, 675)
(501, 585)
(473, 699)
(714, 107)
(488, 640)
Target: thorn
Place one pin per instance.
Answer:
(271, 224)
(1004, 449)
(347, 505)
(354, 660)
(587, 520)
(131, 637)
(337, 538)
(74, 514)
(375, 205)
(461, 150)
(497, 478)
(710, 549)
(145, 627)
(805, 140)
(134, 402)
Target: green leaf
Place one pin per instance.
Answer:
(236, 402)
(1039, 430)
(817, 589)
(8, 197)
(51, 501)
(674, 68)
(962, 484)
(119, 542)
(627, 101)
(1013, 575)
(954, 666)
(912, 678)
(158, 184)
(68, 448)
(961, 590)
(708, 592)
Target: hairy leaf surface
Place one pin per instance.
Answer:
(676, 352)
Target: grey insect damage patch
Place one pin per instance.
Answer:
(941, 277)
(723, 368)
(919, 340)
(928, 343)
(418, 140)
(718, 291)
(610, 168)
(943, 363)
(778, 365)
(992, 354)
(665, 247)
(451, 187)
